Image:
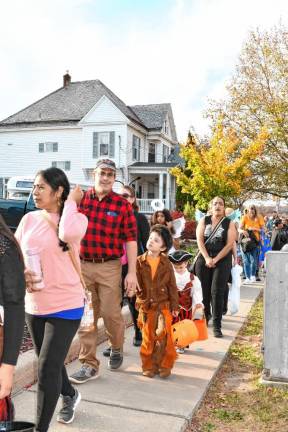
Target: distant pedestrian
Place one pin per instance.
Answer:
(163, 217)
(111, 225)
(157, 300)
(54, 308)
(251, 225)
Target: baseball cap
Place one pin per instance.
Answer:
(105, 163)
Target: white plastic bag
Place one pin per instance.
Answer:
(87, 320)
(234, 292)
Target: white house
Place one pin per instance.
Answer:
(81, 121)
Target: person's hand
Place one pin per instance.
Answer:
(130, 284)
(175, 313)
(76, 194)
(6, 379)
(31, 278)
(209, 262)
(245, 233)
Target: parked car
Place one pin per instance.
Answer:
(13, 210)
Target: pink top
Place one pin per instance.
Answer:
(62, 287)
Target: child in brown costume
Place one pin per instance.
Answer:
(157, 301)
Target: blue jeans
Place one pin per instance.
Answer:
(250, 262)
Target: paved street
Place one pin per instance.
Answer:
(126, 401)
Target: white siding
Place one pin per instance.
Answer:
(104, 111)
(22, 156)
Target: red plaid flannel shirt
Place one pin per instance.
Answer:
(111, 223)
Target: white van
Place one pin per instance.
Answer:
(19, 187)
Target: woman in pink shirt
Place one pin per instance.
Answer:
(54, 301)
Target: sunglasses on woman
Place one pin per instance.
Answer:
(126, 196)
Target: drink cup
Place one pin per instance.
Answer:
(33, 263)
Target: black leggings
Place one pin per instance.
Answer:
(52, 338)
(131, 303)
(214, 284)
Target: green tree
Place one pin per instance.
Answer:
(258, 97)
(221, 167)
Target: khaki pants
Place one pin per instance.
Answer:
(103, 281)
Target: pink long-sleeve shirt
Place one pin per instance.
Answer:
(62, 287)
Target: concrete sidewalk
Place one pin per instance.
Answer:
(126, 401)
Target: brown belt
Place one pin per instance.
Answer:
(98, 260)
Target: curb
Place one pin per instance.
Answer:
(26, 370)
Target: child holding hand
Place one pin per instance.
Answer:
(157, 302)
(189, 288)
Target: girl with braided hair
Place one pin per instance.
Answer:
(53, 308)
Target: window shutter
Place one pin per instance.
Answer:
(112, 145)
(67, 166)
(41, 147)
(54, 164)
(95, 145)
(55, 147)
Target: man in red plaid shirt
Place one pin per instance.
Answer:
(111, 223)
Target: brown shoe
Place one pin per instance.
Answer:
(148, 374)
(164, 373)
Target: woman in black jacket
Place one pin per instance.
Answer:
(143, 230)
(12, 293)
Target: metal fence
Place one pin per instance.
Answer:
(145, 205)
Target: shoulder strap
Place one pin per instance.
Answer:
(45, 216)
(214, 231)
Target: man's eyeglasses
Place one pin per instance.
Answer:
(125, 195)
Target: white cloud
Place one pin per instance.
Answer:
(184, 60)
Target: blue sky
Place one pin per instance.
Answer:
(145, 51)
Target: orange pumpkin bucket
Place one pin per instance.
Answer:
(201, 325)
(184, 333)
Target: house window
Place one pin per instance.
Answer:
(136, 148)
(48, 147)
(103, 144)
(64, 165)
(165, 127)
(165, 153)
(151, 153)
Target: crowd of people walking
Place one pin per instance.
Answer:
(97, 242)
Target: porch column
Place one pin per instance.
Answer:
(161, 186)
(168, 190)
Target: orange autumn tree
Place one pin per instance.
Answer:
(224, 166)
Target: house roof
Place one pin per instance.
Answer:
(67, 104)
(175, 157)
(153, 116)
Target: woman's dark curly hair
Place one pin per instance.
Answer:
(56, 178)
(167, 215)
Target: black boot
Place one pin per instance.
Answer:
(137, 340)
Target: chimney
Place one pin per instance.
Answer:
(66, 79)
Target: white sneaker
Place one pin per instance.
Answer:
(247, 282)
(253, 279)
